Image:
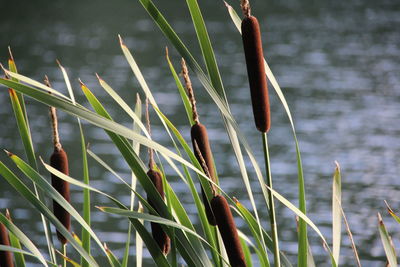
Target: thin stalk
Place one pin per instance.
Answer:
(272, 215)
(65, 255)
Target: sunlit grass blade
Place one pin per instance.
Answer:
(139, 242)
(14, 242)
(182, 91)
(303, 243)
(112, 256)
(231, 126)
(350, 235)
(23, 252)
(195, 251)
(247, 252)
(152, 246)
(307, 220)
(123, 105)
(51, 192)
(391, 212)
(136, 147)
(15, 182)
(387, 243)
(21, 117)
(336, 213)
(22, 237)
(85, 168)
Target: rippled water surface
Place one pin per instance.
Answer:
(337, 63)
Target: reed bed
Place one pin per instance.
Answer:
(171, 233)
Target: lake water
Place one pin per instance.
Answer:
(338, 64)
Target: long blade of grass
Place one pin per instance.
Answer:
(14, 241)
(231, 126)
(303, 242)
(15, 182)
(136, 146)
(304, 217)
(152, 246)
(391, 212)
(12, 228)
(196, 253)
(21, 117)
(85, 168)
(387, 243)
(336, 213)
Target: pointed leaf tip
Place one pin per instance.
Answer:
(8, 153)
(121, 42)
(10, 54)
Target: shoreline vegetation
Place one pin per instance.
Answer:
(157, 219)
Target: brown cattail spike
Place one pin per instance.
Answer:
(6, 257)
(59, 161)
(227, 228)
(203, 153)
(158, 233)
(253, 50)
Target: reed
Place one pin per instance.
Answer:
(158, 233)
(199, 136)
(252, 44)
(251, 36)
(227, 228)
(6, 257)
(59, 161)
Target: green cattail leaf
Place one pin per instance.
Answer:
(182, 91)
(336, 213)
(112, 256)
(231, 126)
(51, 192)
(303, 243)
(14, 242)
(391, 212)
(14, 181)
(12, 228)
(387, 243)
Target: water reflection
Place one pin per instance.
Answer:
(338, 64)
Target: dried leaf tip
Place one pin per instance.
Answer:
(227, 5)
(245, 5)
(47, 81)
(121, 42)
(100, 208)
(59, 63)
(235, 200)
(98, 77)
(189, 88)
(8, 215)
(10, 53)
(8, 153)
(337, 165)
(380, 220)
(166, 53)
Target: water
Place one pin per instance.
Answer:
(338, 65)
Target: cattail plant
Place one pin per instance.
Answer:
(227, 228)
(59, 161)
(158, 233)
(253, 51)
(199, 136)
(6, 257)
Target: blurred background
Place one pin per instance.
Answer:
(338, 63)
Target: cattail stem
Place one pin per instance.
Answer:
(272, 215)
(188, 83)
(245, 5)
(227, 228)
(54, 122)
(204, 166)
(151, 153)
(65, 255)
(6, 257)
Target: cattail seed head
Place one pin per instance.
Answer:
(6, 258)
(227, 228)
(252, 45)
(59, 161)
(158, 233)
(200, 137)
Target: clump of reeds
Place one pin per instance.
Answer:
(251, 36)
(59, 161)
(6, 257)
(199, 136)
(155, 176)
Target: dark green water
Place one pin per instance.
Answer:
(338, 64)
